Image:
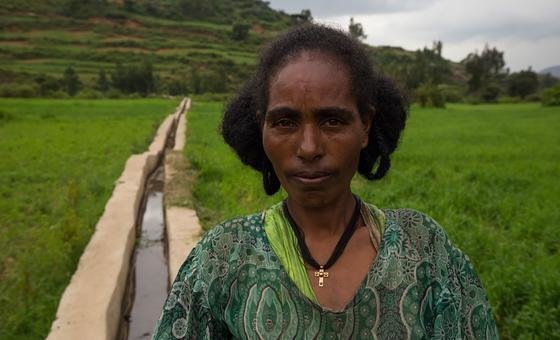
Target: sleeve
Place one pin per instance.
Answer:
(462, 309)
(186, 312)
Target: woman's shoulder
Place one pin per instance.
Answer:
(412, 221)
(417, 233)
(229, 235)
(235, 225)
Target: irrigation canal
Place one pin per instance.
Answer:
(149, 277)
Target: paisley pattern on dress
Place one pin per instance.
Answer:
(419, 286)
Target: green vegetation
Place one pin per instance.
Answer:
(551, 96)
(193, 47)
(60, 160)
(487, 173)
(183, 41)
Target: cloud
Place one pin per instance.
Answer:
(329, 8)
(528, 32)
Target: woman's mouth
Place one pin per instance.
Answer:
(311, 177)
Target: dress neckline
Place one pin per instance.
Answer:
(377, 216)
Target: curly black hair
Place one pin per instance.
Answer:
(241, 127)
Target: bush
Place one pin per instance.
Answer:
(114, 94)
(451, 93)
(551, 96)
(509, 100)
(89, 94)
(240, 31)
(490, 92)
(211, 97)
(429, 95)
(534, 97)
(18, 91)
(58, 94)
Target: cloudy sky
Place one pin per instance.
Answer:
(527, 31)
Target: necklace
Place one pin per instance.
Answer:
(321, 270)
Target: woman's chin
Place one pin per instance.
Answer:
(312, 197)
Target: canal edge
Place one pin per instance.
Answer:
(181, 224)
(91, 305)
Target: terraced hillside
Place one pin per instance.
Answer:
(192, 46)
(42, 38)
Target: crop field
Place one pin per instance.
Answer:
(487, 173)
(59, 162)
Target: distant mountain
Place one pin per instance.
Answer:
(553, 70)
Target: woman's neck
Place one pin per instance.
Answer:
(326, 220)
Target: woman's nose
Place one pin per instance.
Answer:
(310, 147)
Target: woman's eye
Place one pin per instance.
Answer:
(333, 122)
(285, 123)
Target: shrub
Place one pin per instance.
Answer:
(534, 97)
(89, 94)
(508, 100)
(240, 31)
(490, 92)
(523, 83)
(429, 95)
(58, 94)
(114, 94)
(451, 93)
(18, 90)
(551, 96)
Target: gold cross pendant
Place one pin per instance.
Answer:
(321, 274)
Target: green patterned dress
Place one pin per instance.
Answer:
(420, 286)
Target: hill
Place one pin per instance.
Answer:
(553, 70)
(46, 37)
(193, 46)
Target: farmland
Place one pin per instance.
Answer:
(60, 159)
(487, 173)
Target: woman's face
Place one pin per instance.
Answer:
(312, 130)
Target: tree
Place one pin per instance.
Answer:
(47, 84)
(197, 8)
(303, 17)
(82, 8)
(547, 80)
(134, 78)
(306, 15)
(102, 82)
(551, 96)
(128, 5)
(523, 83)
(437, 46)
(118, 78)
(71, 81)
(146, 80)
(196, 81)
(240, 31)
(483, 68)
(428, 66)
(356, 30)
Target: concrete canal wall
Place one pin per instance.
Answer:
(91, 306)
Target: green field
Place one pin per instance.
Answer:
(59, 162)
(487, 173)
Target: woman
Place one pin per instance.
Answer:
(322, 263)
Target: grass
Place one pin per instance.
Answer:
(60, 160)
(487, 173)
